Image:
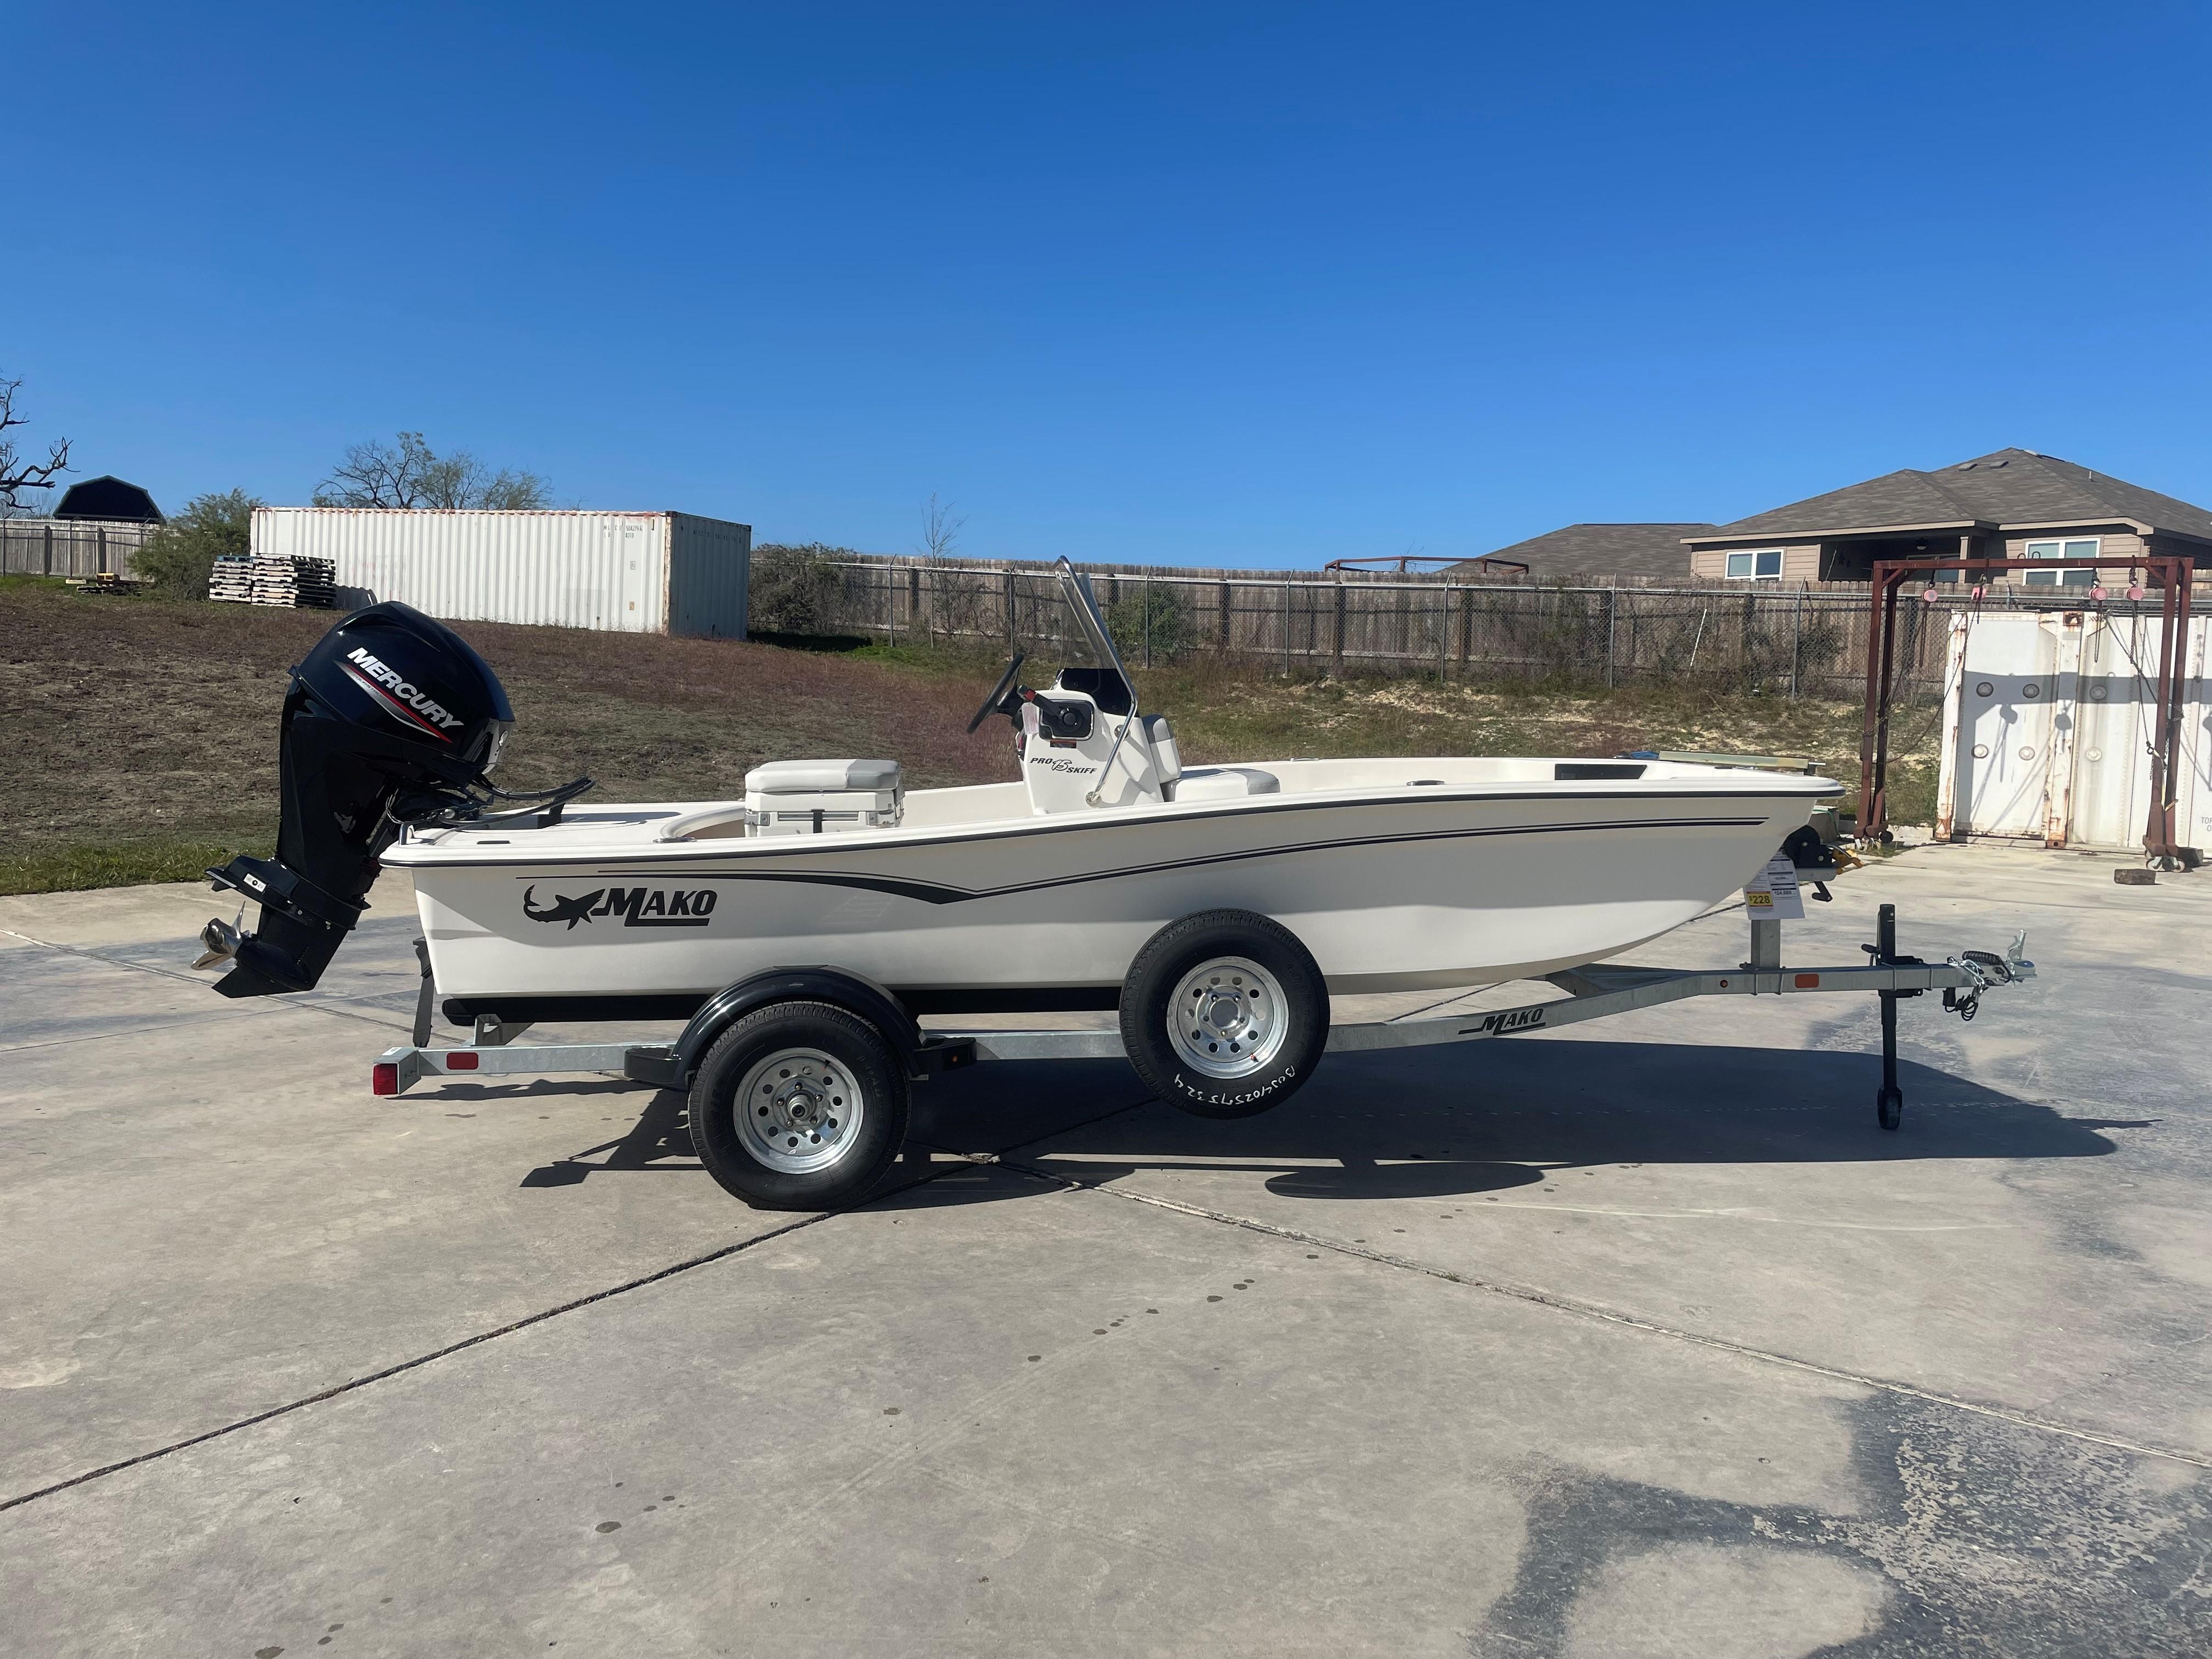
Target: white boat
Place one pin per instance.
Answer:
(1041, 891)
(800, 931)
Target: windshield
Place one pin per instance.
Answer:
(1094, 665)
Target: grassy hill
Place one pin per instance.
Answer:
(141, 734)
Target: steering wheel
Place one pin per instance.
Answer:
(999, 692)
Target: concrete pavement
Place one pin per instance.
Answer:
(1636, 1339)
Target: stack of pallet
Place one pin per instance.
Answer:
(233, 578)
(295, 583)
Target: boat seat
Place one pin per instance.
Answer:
(839, 794)
(814, 776)
(1225, 783)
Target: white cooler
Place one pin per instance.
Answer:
(816, 798)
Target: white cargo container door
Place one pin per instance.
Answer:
(2193, 757)
(2088, 782)
(2113, 716)
(2192, 817)
(2117, 719)
(1999, 764)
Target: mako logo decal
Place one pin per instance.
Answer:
(409, 702)
(638, 907)
(1514, 1020)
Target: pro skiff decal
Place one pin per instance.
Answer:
(638, 907)
(409, 702)
(930, 892)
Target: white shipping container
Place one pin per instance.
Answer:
(631, 572)
(2048, 721)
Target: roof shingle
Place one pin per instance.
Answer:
(2007, 487)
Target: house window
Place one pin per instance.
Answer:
(2085, 547)
(1765, 566)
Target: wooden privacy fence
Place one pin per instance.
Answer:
(69, 547)
(1794, 642)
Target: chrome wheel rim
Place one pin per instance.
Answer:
(798, 1111)
(1227, 1018)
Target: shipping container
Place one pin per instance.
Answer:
(2049, 718)
(630, 573)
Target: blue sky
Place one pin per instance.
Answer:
(1245, 285)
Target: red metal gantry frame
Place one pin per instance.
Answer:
(2171, 572)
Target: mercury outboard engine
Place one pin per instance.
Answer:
(391, 720)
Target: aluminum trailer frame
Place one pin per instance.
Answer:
(1592, 993)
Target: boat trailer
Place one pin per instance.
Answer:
(1592, 993)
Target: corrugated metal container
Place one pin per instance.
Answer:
(631, 572)
(2048, 722)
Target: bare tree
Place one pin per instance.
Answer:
(21, 474)
(376, 474)
(515, 491)
(410, 474)
(461, 480)
(940, 528)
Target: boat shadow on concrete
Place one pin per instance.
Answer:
(1433, 1123)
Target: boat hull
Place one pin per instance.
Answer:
(1432, 889)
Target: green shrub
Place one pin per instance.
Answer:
(1149, 624)
(794, 589)
(178, 559)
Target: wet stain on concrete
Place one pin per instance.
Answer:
(1973, 1537)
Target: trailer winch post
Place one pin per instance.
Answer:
(1766, 942)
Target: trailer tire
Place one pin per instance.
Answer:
(1249, 1013)
(798, 1106)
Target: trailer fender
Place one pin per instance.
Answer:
(841, 988)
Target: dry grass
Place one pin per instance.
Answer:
(141, 733)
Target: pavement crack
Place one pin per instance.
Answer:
(422, 1359)
(573, 1305)
(1566, 1305)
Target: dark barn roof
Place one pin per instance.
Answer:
(2007, 487)
(106, 497)
(1605, 549)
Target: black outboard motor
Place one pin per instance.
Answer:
(392, 719)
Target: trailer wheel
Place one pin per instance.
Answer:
(1889, 1107)
(1225, 1013)
(798, 1106)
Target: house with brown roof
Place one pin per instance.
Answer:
(2013, 504)
(1649, 552)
